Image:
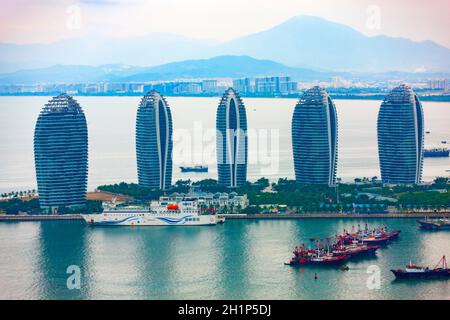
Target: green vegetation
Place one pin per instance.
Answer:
(364, 195)
(92, 206)
(132, 189)
(16, 206)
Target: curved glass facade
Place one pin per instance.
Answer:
(154, 142)
(400, 137)
(232, 143)
(315, 138)
(61, 154)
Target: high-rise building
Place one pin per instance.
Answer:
(438, 84)
(275, 85)
(209, 86)
(315, 138)
(61, 154)
(154, 142)
(400, 137)
(243, 85)
(232, 143)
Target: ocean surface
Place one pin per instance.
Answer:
(111, 124)
(237, 260)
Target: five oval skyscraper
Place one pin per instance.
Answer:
(154, 142)
(61, 154)
(232, 141)
(315, 138)
(400, 137)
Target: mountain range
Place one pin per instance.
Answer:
(320, 44)
(217, 67)
(303, 42)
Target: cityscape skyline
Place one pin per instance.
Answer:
(201, 151)
(400, 132)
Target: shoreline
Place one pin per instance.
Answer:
(253, 216)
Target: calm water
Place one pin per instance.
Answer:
(111, 122)
(240, 259)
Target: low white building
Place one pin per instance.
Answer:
(231, 202)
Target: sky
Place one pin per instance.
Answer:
(45, 21)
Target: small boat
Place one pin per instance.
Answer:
(194, 169)
(303, 256)
(435, 224)
(436, 153)
(411, 271)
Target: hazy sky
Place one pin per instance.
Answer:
(32, 21)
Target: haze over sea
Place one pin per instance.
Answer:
(111, 124)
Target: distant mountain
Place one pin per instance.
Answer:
(68, 74)
(321, 44)
(150, 50)
(217, 67)
(222, 67)
(302, 41)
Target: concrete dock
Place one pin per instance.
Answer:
(40, 217)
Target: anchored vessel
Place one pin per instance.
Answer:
(376, 236)
(435, 224)
(350, 244)
(183, 213)
(194, 169)
(436, 153)
(411, 271)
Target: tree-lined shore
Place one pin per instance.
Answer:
(364, 195)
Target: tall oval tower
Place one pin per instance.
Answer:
(61, 154)
(400, 137)
(154, 142)
(315, 138)
(232, 142)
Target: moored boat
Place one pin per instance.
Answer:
(356, 250)
(194, 169)
(435, 224)
(375, 240)
(411, 271)
(183, 213)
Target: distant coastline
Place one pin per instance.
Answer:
(375, 97)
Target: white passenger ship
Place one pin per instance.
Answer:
(183, 213)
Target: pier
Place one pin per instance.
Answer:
(39, 217)
(335, 215)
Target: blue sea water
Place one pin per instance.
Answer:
(241, 259)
